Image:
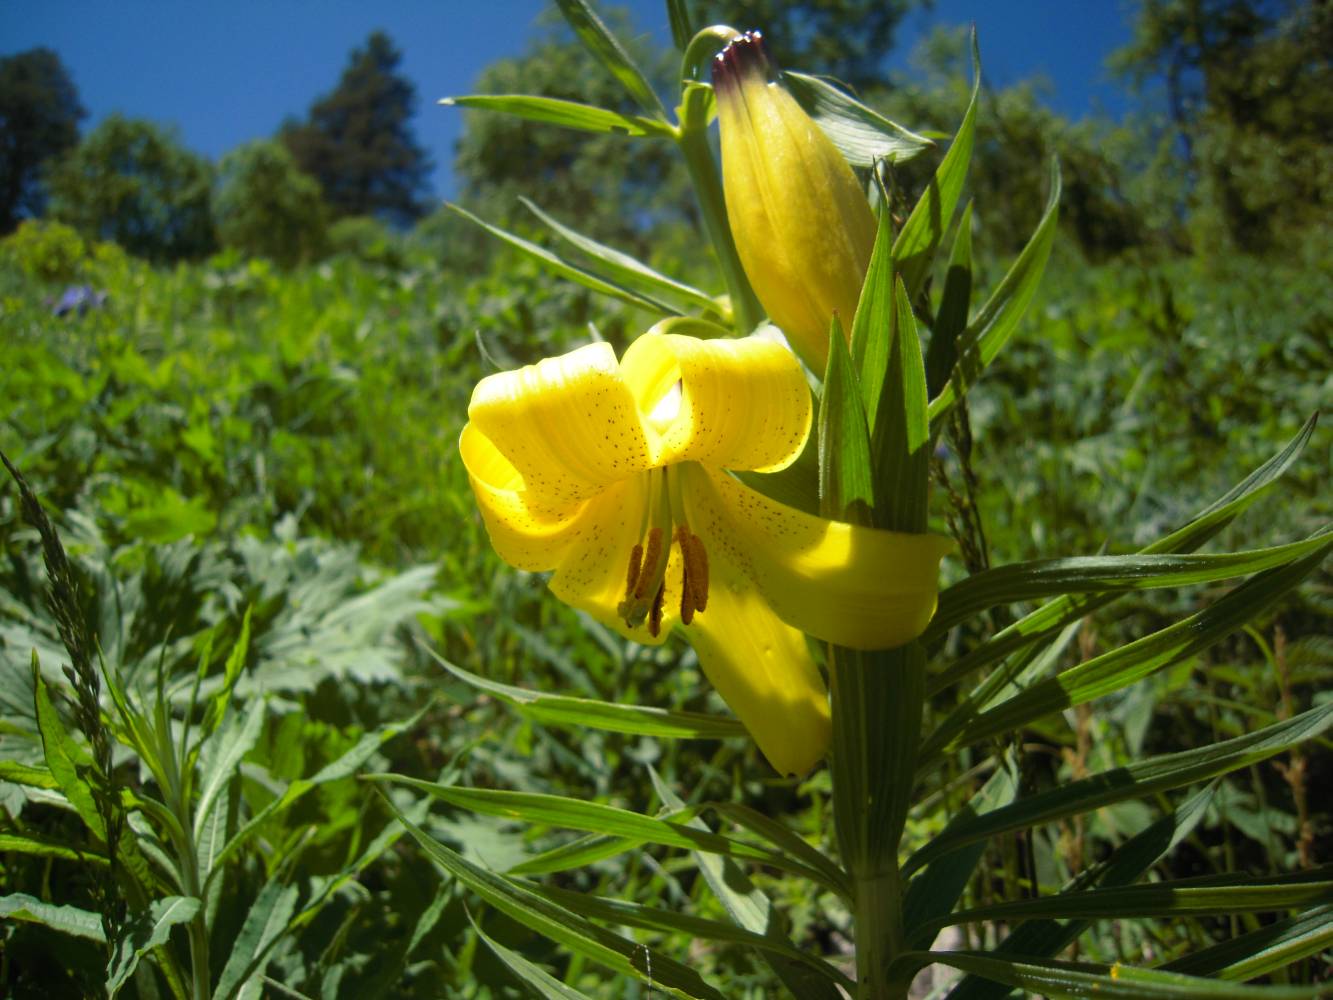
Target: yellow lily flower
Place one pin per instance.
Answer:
(802, 225)
(613, 475)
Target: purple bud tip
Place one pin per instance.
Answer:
(741, 57)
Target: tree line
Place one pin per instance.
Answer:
(1229, 146)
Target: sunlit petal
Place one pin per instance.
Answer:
(568, 425)
(527, 530)
(763, 670)
(855, 586)
(744, 404)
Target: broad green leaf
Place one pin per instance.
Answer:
(1048, 977)
(26, 774)
(862, 136)
(145, 931)
(625, 269)
(749, 908)
(955, 306)
(41, 847)
(610, 53)
(564, 927)
(569, 114)
(1096, 574)
(922, 233)
(934, 892)
(987, 334)
(1264, 950)
(1044, 938)
(1120, 667)
(641, 720)
(265, 922)
(846, 480)
(1060, 612)
(1133, 781)
(65, 919)
(221, 754)
(537, 979)
(1159, 899)
(576, 814)
(558, 265)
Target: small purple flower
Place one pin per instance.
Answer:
(78, 299)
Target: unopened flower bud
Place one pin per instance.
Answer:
(801, 222)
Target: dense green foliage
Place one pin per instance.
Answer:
(39, 120)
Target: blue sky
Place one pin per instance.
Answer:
(228, 72)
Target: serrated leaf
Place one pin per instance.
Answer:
(558, 265)
(861, 135)
(145, 931)
(640, 720)
(922, 233)
(987, 334)
(65, 919)
(517, 900)
(1133, 781)
(610, 53)
(568, 114)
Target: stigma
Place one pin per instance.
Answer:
(645, 576)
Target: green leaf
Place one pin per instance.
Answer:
(846, 485)
(640, 720)
(147, 930)
(265, 923)
(1121, 667)
(608, 50)
(873, 326)
(575, 814)
(861, 135)
(26, 774)
(987, 334)
(1133, 781)
(1048, 977)
(40, 847)
(749, 908)
(578, 853)
(1042, 938)
(900, 432)
(682, 30)
(67, 761)
(65, 919)
(922, 233)
(569, 114)
(1098, 574)
(934, 892)
(625, 269)
(564, 927)
(221, 755)
(955, 306)
(1264, 950)
(537, 979)
(558, 265)
(1062, 611)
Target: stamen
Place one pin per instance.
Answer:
(650, 559)
(635, 563)
(686, 576)
(696, 558)
(655, 616)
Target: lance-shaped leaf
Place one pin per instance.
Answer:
(987, 334)
(588, 713)
(558, 265)
(610, 53)
(862, 136)
(846, 478)
(569, 114)
(533, 976)
(145, 931)
(563, 926)
(1264, 950)
(1134, 781)
(1048, 977)
(1058, 613)
(65, 919)
(955, 306)
(1121, 667)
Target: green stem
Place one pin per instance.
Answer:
(693, 142)
(879, 935)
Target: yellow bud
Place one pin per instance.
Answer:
(801, 222)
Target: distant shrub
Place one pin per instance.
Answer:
(264, 206)
(367, 239)
(45, 251)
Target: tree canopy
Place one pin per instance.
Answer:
(39, 120)
(265, 206)
(357, 140)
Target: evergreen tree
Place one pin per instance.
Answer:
(39, 120)
(358, 143)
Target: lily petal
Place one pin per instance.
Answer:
(568, 425)
(855, 586)
(744, 404)
(763, 670)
